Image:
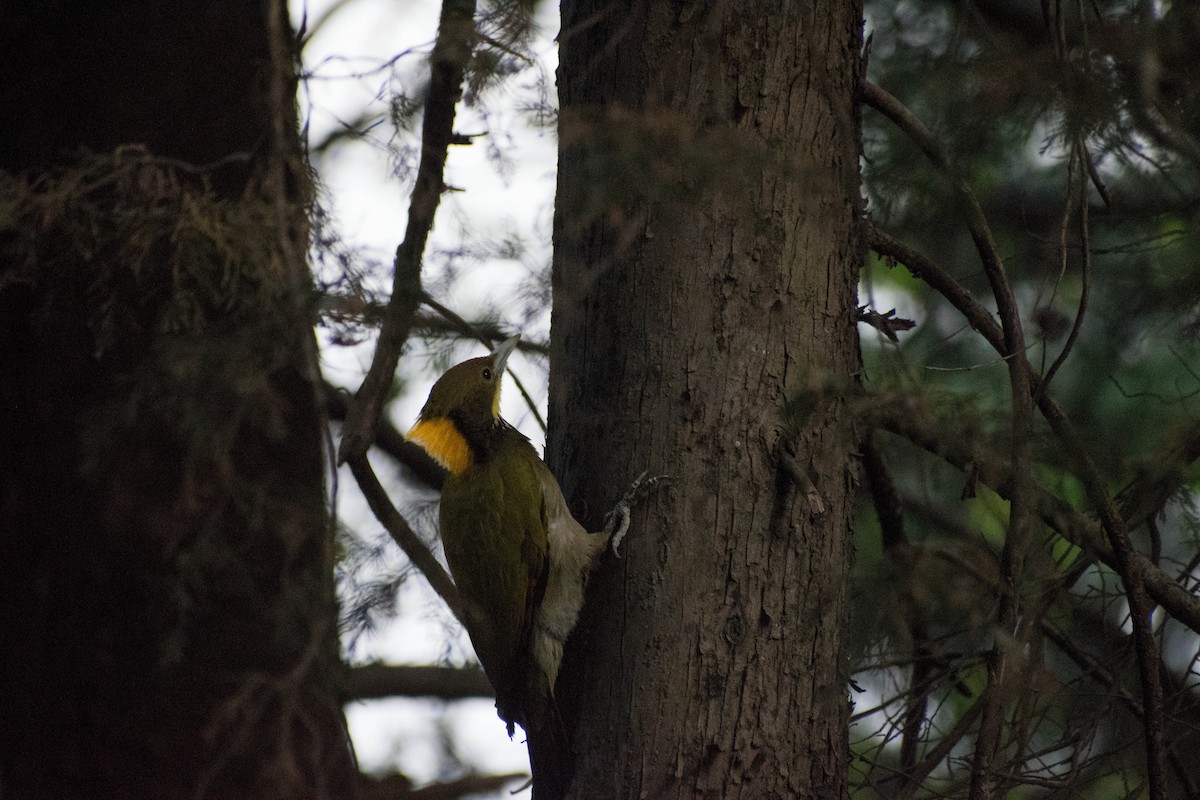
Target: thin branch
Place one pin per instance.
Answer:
(1085, 248)
(395, 524)
(886, 323)
(348, 131)
(451, 53)
(1148, 492)
(1180, 603)
(309, 28)
(349, 307)
(937, 754)
(1114, 642)
(890, 512)
(1140, 576)
(392, 442)
(372, 681)
(925, 269)
(1132, 567)
(1097, 182)
(1091, 666)
(884, 497)
(399, 787)
(467, 329)
(907, 418)
(1020, 381)
(989, 254)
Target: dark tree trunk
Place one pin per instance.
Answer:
(706, 255)
(169, 625)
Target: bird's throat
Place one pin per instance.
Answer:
(444, 442)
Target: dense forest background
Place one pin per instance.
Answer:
(1070, 130)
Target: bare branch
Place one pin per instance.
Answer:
(420, 555)
(937, 754)
(392, 442)
(1102, 674)
(1085, 247)
(349, 307)
(886, 323)
(989, 254)
(1097, 182)
(451, 52)
(890, 512)
(1133, 569)
(942, 282)
(399, 787)
(907, 418)
(371, 681)
(1020, 380)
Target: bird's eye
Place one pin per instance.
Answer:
(487, 373)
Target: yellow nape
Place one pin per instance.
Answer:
(444, 443)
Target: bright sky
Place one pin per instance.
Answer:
(368, 203)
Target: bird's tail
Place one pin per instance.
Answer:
(550, 756)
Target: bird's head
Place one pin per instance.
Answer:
(464, 400)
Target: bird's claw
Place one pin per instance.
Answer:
(616, 522)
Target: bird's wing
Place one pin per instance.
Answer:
(535, 548)
(525, 493)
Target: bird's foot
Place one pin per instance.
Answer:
(616, 522)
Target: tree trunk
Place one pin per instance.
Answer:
(705, 263)
(166, 601)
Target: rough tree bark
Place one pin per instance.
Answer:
(166, 600)
(706, 254)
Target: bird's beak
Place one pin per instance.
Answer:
(502, 352)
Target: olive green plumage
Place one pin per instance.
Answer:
(495, 535)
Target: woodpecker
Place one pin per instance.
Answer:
(519, 558)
